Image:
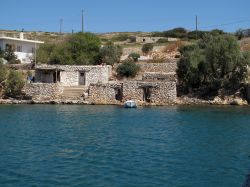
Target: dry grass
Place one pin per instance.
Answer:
(245, 44)
(172, 47)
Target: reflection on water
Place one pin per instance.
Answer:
(68, 145)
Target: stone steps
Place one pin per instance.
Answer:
(74, 92)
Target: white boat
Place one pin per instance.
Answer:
(130, 104)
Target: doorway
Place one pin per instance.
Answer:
(81, 78)
(118, 94)
(147, 94)
(56, 76)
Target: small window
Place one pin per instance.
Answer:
(19, 48)
(82, 74)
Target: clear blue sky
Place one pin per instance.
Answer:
(124, 15)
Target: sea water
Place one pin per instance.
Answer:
(73, 145)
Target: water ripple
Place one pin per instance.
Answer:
(50, 145)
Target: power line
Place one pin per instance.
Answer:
(225, 24)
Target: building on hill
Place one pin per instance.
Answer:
(149, 39)
(24, 49)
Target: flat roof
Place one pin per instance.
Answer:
(21, 40)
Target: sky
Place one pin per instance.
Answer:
(102, 16)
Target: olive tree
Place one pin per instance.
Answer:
(14, 84)
(215, 62)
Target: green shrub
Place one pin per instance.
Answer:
(175, 33)
(3, 72)
(134, 56)
(44, 52)
(120, 38)
(146, 48)
(110, 54)
(14, 84)
(128, 69)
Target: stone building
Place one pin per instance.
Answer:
(149, 39)
(64, 81)
(68, 75)
(157, 86)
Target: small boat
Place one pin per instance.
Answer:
(130, 104)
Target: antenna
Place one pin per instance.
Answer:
(82, 21)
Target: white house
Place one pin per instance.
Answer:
(24, 49)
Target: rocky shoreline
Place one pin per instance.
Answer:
(183, 100)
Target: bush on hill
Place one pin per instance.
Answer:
(79, 49)
(134, 56)
(110, 54)
(128, 69)
(146, 48)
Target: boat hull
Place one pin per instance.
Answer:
(130, 104)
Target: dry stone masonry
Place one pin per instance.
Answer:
(43, 91)
(157, 85)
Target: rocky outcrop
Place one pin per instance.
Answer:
(248, 92)
(229, 100)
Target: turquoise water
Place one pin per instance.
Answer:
(66, 145)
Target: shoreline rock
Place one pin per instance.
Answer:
(183, 100)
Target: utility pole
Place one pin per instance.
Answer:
(35, 51)
(61, 25)
(196, 26)
(82, 22)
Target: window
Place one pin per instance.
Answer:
(19, 48)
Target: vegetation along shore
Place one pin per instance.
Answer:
(174, 67)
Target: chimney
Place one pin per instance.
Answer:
(21, 35)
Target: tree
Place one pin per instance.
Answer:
(10, 56)
(14, 84)
(77, 49)
(83, 48)
(134, 56)
(128, 69)
(146, 48)
(215, 62)
(110, 54)
(44, 53)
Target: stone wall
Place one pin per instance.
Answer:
(161, 92)
(155, 76)
(43, 91)
(104, 93)
(167, 67)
